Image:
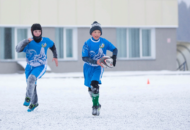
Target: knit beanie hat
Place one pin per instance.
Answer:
(95, 26)
(36, 26)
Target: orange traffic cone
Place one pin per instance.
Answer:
(148, 82)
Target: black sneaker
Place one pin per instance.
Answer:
(96, 110)
(27, 101)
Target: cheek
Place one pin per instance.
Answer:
(93, 34)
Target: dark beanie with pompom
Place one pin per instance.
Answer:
(95, 26)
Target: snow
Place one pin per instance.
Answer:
(128, 102)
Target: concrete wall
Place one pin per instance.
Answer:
(10, 67)
(165, 53)
(84, 12)
(83, 35)
(65, 66)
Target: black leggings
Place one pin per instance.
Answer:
(94, 87)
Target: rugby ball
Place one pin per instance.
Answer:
(106, 62)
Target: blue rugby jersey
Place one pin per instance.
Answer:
(96, 49)
(36, 53)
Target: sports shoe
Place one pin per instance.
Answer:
(27, 101)
(32, 107)
(96, 110)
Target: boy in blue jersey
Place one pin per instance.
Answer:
(93, 50)
(36, 57)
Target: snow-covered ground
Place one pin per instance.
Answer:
(128, 102)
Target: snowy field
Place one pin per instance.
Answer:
(128, 102)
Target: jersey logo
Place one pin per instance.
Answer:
(95, 56)
(34, 59)
(44, 45)
(102, 46)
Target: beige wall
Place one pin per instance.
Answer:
(84, 12)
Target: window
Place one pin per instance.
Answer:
(7, 48)
(146, 42)
(135, 43)
(121, 42)
(69, 42)
(9, 38)
(20, 34)
(59, 42)
(66, 43)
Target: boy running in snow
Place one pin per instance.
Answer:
(93, 50)
(36, 57)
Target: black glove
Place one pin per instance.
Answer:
(114, 60)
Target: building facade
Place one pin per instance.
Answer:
(144, 31)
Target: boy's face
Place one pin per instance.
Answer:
(96, 34)
(37, 33)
